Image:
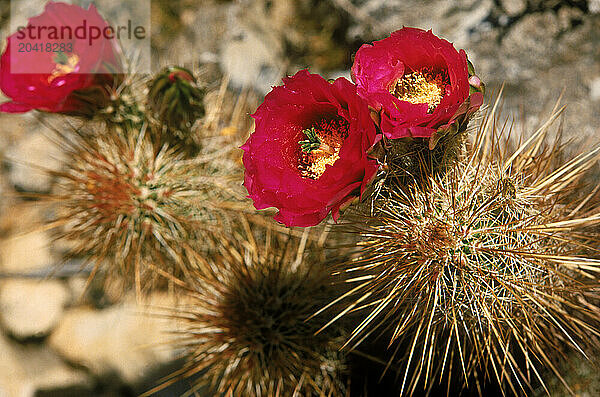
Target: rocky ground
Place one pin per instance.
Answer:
(58, 340)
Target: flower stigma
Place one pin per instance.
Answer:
(322, 146)
(63, 65)
(420, 87)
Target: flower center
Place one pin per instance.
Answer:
(63, 65)
(420, 87)
(322, 146)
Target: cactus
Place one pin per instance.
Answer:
(246, 327)
(137, 210)
(479, 272)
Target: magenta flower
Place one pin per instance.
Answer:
(67, 67)
(417, 82)
(308, 154)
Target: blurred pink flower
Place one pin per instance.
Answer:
(74, 72)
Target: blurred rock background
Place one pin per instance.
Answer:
(57, 340)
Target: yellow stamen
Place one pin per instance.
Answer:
(318, 160)
(61, 69)
(331, 136)
(420, 88)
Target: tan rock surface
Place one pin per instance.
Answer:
(31, 308)
(121, 339)
(25, 370)
(29, 157)
(26, 252)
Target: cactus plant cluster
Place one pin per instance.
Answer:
(474, 259)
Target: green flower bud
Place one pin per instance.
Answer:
(176, 100)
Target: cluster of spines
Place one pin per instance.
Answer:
(481, 266)
(247, 329)
(137, 205)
